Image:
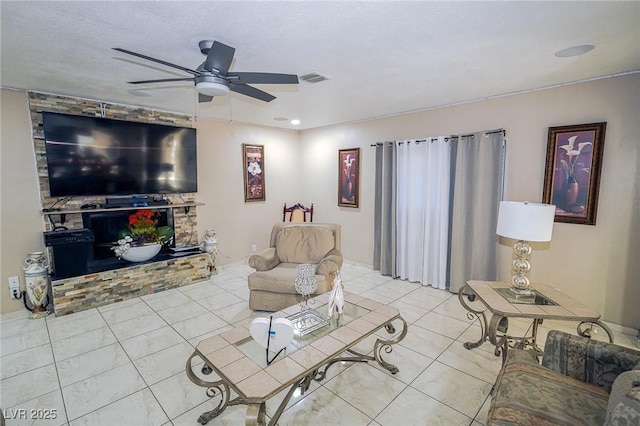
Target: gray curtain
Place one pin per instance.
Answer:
(477, 183)
(384, 249)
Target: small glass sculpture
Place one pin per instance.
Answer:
(307, 320)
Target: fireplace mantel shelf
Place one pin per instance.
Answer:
(162, 207)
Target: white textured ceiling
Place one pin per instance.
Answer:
(384, 58)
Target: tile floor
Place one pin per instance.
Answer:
(123, 364)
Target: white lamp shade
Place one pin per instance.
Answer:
(525, 221)
(211, 88)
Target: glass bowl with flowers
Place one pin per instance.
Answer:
(142, 239)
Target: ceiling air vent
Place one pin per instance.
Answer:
(314, 77)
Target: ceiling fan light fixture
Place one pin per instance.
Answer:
(211, 88)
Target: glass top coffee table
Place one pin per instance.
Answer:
(546, 303)
(240, 362)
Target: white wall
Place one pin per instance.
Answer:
(21, 224)
(238, 224)
(597, 265)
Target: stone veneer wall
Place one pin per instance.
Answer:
(90, 291)
(93, 290)
(185, 224)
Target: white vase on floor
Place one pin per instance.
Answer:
(141, 253)
(36, 273)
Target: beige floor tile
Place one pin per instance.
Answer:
(127, 312)
(453, 388)
(236, 312)
(410, 313)
(413, 407)
(151, 342)
(81, 343)
(424, 299)
(164, 363)
(177, 394)
(351, 384)
(21, 388)
(182, 312)
(481, 417)
(21, 325)
(139, 408)
(480, 364)
(166, 299)
(426, 342)
(221, 299)
(135, 327)
(410, 363)
(449, 391)
(91, 363)
(20, 342)
(454, 309)
(323, 407)
(29, 359)
(75, 326)
(231, 416)
(50, 406)
(442, 324)
(199, 325)
(87, 395)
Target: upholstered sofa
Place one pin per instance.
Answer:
(580, 382)
(272, 285)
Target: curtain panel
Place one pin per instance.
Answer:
(384, 234)
(477, 187)
(436, 204)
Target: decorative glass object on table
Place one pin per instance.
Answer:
(302, 338)
(307, 320)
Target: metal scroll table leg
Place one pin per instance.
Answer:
(385, 345)
(217, 388)
(499, 324)
(585, 329)
(474, 314)
(378, 348)
(256, 414)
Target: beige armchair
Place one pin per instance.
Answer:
(272, 285)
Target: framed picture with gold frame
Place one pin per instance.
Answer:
(349, 177)
(572, 172)
(253, 166)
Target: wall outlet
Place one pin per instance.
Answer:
(253, 247)
(14, 286)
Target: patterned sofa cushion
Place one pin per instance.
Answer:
(624, 400)
(529, 394)
(592, 361)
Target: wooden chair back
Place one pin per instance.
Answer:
(297, 213)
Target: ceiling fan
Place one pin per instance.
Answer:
(212, 77)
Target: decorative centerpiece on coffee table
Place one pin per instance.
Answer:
(143, 238)
(307, 320)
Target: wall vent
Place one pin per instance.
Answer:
(314, 77)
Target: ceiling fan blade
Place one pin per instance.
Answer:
(219, 58)
(159, 61)
(262, 78)
(162, 80)
(243, 89)
(204, 98)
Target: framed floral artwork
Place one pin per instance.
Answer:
(572, 172)
(349, 177)
(253, 166)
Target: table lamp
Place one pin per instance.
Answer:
(524, 221)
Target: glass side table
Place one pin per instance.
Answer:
(500, 304)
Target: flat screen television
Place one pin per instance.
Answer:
(98, 156)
